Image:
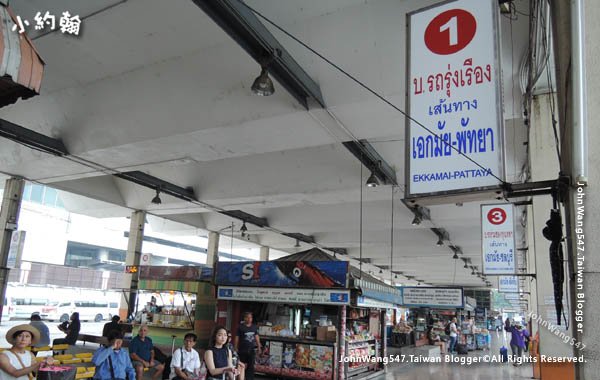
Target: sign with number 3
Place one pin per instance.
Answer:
(498, 239)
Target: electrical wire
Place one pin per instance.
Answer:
(373, 92)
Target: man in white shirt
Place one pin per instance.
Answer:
(185, 364)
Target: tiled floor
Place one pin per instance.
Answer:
(458, 371)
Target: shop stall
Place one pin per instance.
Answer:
(431, 306)
(312, 311)
(167, 302)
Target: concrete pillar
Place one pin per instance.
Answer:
(212, 252)
(264, 253)
(583, 200)
(9, 218)
(544, 166)
(134, 254)
(590, 334)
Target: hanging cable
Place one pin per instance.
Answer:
(360, 233)
(373, 92)
(392, 242)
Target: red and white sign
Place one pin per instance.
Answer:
(498, 239)
(454, 91)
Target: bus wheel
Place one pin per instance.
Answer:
(98, 318)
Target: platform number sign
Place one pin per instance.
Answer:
(498, 239)
(496, 216)
(455, 131)
(450, 31)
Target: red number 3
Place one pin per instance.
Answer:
(496, 216)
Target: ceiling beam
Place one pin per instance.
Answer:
(32, 139)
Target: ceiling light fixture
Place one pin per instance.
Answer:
(372, 181)
(455, 257)
(440, 242)
(297, 245)
(473, 271)
(416, 220)
(244, 229)
(380, 271)
(263, 85)
(156, 200)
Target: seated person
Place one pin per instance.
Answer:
(112, 325)
(435, 340)
(219, 359)
(111, 361)
(185, 364)
(71, 328)
(142, 354)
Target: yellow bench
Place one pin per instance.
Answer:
(86, 357)
(60, 348)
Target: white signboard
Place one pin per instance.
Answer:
(285, 295)
(508, 284)
(370, 302)
(453, 79)
(443, 298)
(498, 239)
(512, 296)
(15, 250)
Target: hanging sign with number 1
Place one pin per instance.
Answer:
(454, 92)
(498, 239)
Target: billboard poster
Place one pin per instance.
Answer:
(286, 274)
(508, 284)
(498, 239)
(453, 79)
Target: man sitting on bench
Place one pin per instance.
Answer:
(141, 351)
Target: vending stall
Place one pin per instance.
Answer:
(312, 312)
(426, 301)
(168, 302)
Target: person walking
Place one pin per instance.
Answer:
(36, 322)
(185, 364)
(142, 354)
(517, 341)
(246, 343)
(111, 361)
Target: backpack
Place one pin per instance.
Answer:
(447, 328)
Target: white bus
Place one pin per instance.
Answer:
(88, 310)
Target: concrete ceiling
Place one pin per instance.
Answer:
(158, 87)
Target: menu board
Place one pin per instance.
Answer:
(302, 360)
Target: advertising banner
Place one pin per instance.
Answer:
(440, 298)
(165, 273)
(498, 239)
(295, 296)
(285, 274)
(508, 284)
(512, 296)
(453, 79)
